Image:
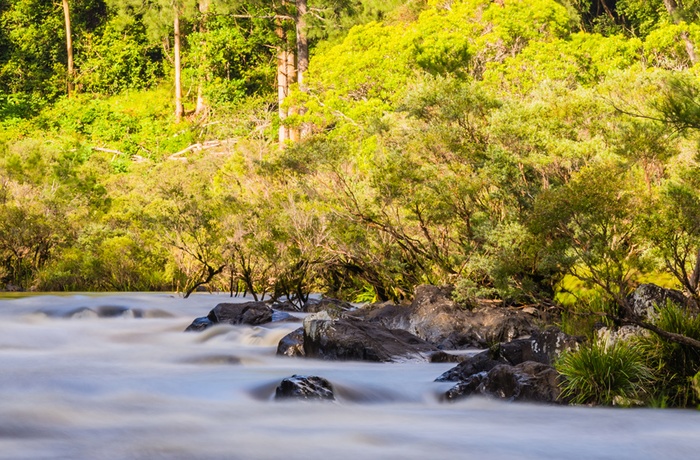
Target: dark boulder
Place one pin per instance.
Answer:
(292, 344)
(528, 381)
(333, 307)
(251, 313)
(436, 318)
(199, 324)
(476, 364)
(354, 339)
(305, 387)
(543, 347)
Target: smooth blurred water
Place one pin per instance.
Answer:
(134, 386)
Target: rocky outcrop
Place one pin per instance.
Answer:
(305, 387)
(520, 370)
(350, 338)
(644, 302)
(436, 318)
(647, 297)
(527, 381)
(542, 347)
(251, 313)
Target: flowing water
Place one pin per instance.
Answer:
(114, 377)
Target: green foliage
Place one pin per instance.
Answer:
(117, 60)
(674, 365)
(605, 374)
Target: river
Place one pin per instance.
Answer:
(131, 385)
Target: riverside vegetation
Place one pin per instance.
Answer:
(533, 153)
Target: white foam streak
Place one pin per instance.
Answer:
(139, 388)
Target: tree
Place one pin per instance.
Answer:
(69, 48)
(676, 13)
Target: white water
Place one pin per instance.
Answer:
(140, 388)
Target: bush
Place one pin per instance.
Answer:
(605, 374)
(674, 365)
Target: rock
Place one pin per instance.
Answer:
(354, 339)
(251, 313)
(543, 347)
(647, 297)
(644, 302)
(305, 387)
(610, 336)
(436, 318)
(292, 344)
(334, 307)
(528, 381)
(476, 364)
(199, 324)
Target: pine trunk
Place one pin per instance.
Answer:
(69, 48)
(201, 104)
(178, 68)
(282, 81)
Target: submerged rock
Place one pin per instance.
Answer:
(251, 313)
(436, 318)
(305, 387)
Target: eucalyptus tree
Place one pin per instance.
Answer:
(162, 19)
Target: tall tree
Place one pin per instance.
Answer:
(69, 48)
(179, 110)
(675, 11)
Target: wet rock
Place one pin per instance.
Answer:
(199, 324)
(333, 307)
(284, 317)
(251, 313)
(292, 344)
(476, 364)
(443, 357)
(543, 347)
(354, 339)
(528, 381)
(436, 318)
(305, 387)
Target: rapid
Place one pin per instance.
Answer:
(113, 376)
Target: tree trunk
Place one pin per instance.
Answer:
(302, 55)
(201, 104)
(291, 77)
(282, 80)
(178, 67)
(69, 48)
(674, 11)
(695, 276)
(302, 42)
